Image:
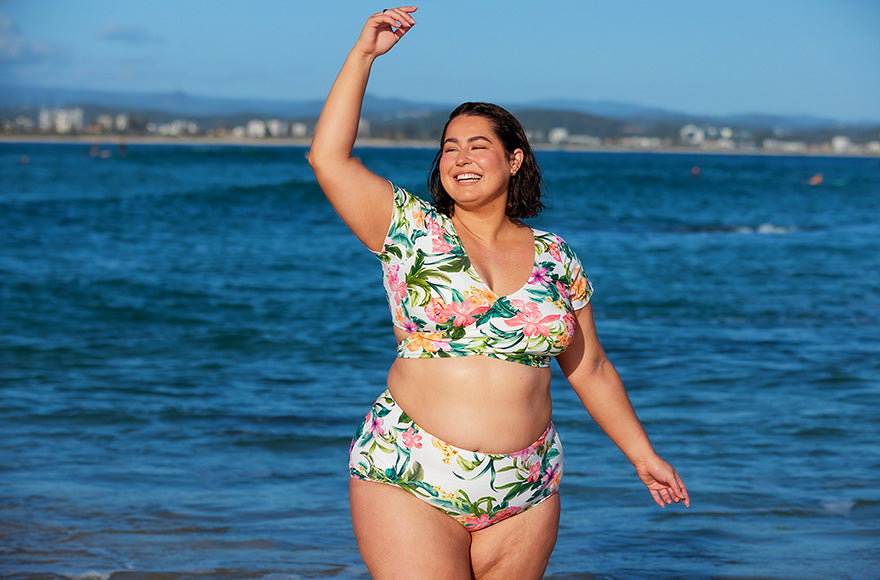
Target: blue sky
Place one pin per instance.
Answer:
(700, 56)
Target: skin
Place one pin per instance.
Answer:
(400, 536)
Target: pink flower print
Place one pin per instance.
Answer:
(474, 523)
(529, 318)
(525, 452)
(435, 311)
(375, 427)
(554, 251)
(440, 246)
(438, 242)
(539, 276)
(396, 286)
(432, 226)
(463, 313)
(441, 344)
(566, 337)
(551, 478)
(409, 326)
(560, 287)
(411, 439)
(506, 513)
(534, 472)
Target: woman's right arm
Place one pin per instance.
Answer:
(360, 197)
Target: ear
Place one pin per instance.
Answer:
(516, 161)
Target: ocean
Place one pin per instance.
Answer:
(189, 336)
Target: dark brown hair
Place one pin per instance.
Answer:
(526, 187)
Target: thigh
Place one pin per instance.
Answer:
(401, 536)
(518, 547)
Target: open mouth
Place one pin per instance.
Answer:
(468, 178)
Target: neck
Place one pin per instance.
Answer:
(484, 226)
(485, 222)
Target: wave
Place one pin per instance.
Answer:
(766, 229)
(762, 229)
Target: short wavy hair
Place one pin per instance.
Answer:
(526, 186)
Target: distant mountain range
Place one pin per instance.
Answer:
(639, 113)
(187, 105)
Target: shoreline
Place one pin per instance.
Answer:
(192, 141)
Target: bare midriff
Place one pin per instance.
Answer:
(477, 403)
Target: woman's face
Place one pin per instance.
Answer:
(474, 168)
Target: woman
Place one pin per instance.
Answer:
(456, 466)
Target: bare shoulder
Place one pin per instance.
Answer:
(361, 198)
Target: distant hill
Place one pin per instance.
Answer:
(639, 113)
(185, 104)
(403, 118)
(610, 109)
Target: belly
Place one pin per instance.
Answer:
(477, 403)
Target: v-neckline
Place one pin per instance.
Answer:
(476, 275)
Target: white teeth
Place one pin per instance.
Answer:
(467, 177)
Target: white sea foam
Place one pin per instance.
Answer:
(838, 508)
(92, 575)
(765, 229)
(774, 229)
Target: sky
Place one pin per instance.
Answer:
(813, 57)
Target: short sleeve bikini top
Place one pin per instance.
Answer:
(436, 295)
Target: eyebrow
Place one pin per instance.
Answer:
(470, 140)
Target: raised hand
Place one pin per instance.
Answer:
(384, 29)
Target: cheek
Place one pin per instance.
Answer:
(445, 166)
(445, 163)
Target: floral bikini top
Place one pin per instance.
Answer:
(436, 295)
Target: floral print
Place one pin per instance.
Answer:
(439, 299)
(477, 489)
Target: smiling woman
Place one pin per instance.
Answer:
(456, 467)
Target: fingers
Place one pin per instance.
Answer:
(664, 497)
(682, 491)
(668, 491)
(401, 9)
(384, 29)
(658, 497)
(398, 20)
(398, 17)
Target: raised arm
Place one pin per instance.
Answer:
(597, 384)
(361, 198)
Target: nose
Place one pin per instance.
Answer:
(462, 157)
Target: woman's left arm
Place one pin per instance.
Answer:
(597, 384)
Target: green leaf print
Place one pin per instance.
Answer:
(503, 309)
(489, 503)
(414, 473)
(456, 333)
(458, 264)
(419, 279)
(468, 466)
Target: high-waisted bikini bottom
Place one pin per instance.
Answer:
(477, 489)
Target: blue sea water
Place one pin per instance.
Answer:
(189, 336)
